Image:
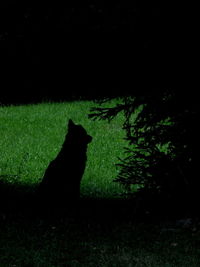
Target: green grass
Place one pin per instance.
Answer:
(32, 135)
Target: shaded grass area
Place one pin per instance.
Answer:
(103, 230)
(93, 242)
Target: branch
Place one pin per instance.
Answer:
(105, 113)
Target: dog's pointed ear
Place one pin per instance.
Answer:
(70, 123)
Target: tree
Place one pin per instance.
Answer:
(163, 142)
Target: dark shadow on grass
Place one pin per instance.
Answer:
(16, 198)
(20, 200)
(23, 200)
(124, 210)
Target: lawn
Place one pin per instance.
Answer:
(105, 233)
(31, 136)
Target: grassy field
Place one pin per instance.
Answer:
(32, 135)
(104, 233)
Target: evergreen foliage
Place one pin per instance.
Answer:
(163, 141)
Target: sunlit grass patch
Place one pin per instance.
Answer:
(31, 136)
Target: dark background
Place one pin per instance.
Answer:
(58, 52)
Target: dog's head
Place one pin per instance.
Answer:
(78, 133)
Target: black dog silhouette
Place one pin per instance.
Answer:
(61, 181)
